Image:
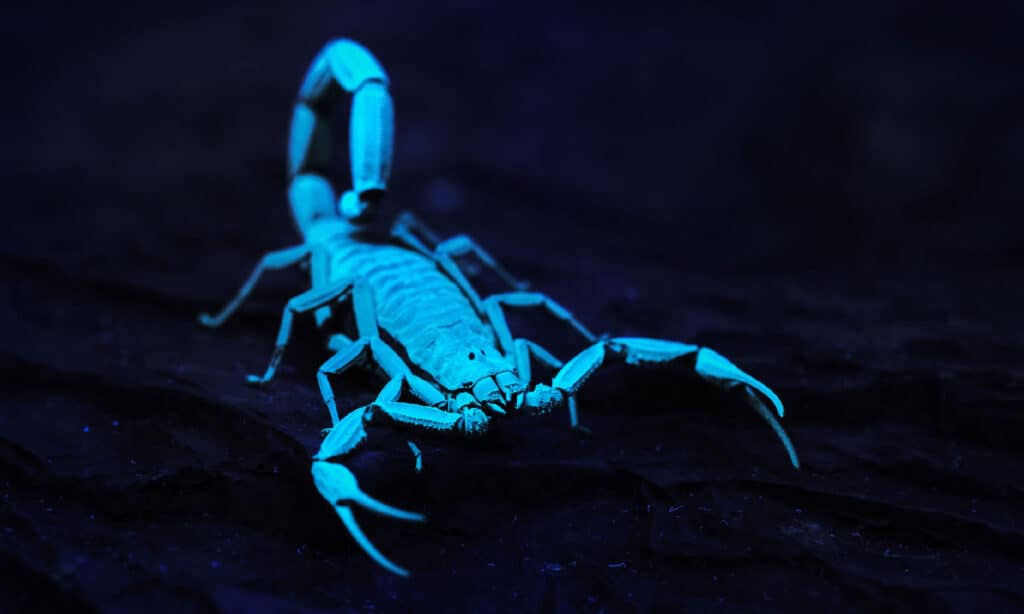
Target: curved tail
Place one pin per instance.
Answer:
(342, 67)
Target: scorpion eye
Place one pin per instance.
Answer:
(472, 356)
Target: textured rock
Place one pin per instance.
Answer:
(828, 199)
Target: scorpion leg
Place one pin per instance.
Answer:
(524, 350)
(413, 232)
(709, 365)
(272, 261)
(410, 230)
(493, 306)
(387, 359)
(417, 454)
(350, 352)
(460, 245)
(311, 300)
(338, 342)
(334, 365)
(391, 392)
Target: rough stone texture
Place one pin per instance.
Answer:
(828, 198)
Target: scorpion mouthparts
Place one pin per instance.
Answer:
(487, 391)
(473, 422)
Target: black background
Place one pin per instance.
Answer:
(828, 196)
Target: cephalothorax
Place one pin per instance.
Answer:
(418, 319)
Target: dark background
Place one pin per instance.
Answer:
(828, 196)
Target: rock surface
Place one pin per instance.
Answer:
(828, 198)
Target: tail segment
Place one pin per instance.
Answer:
(343, 66)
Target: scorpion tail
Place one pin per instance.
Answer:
(342, 66)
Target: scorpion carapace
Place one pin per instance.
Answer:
(418, 319)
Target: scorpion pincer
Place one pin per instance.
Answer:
(418, 319)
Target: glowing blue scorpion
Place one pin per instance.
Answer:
(417, 317)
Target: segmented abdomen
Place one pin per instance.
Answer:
(417, 305)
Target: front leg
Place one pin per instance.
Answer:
(374, 348)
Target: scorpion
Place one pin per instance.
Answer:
(418, 319)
